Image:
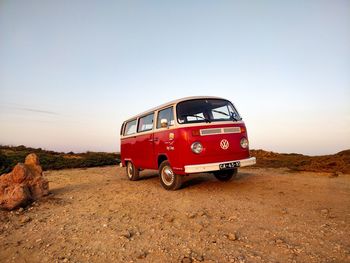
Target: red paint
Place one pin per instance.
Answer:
(145, 149)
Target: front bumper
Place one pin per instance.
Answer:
(208, 167)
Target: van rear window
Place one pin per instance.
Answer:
(130, 127)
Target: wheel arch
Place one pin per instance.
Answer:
(161, 158)
(126, 160)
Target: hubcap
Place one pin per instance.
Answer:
(168, 176)
(130, 170)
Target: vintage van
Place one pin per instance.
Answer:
(186, 136)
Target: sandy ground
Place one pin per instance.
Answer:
(264, 215)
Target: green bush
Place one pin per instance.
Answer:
(49, 160)
(5, 165)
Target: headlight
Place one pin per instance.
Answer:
(197, 147)
(244, 143)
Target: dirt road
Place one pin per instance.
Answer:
(264, 215)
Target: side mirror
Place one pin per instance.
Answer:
(164, 123)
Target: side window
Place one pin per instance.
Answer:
(166, 114)
(146, 123)
(121, 128)
(130, 127)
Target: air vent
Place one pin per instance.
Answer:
(232, 130)
(213, 131)
(210, 131)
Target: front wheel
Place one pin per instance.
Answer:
(131, 171)
(225, 175)
(168, 179)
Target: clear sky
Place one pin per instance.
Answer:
(72, 71)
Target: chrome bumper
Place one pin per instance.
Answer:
(207, 167)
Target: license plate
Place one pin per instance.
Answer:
(231, 165)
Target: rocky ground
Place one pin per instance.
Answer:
(264, 215)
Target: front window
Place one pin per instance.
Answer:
(166, 114)
(206, 110)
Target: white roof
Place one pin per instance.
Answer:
(172, 103)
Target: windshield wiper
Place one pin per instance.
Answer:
(233, 116)
(228, 115)
(196, 116)
(221, 112)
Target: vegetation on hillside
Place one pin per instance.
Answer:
(339, 162)
(50, 160)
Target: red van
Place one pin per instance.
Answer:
(186, 136)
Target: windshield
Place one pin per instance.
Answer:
(206, 110)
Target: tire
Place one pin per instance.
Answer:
(225, 175)
(168, 179)
(131, 171)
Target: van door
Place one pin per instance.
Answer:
(164, 138)
(144, 143)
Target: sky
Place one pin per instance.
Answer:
(72, 71)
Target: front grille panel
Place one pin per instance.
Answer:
(213, 131)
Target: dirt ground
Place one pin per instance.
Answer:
(263, 215)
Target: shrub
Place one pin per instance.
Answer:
(51, 160)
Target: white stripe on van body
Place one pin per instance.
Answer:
(179, 126)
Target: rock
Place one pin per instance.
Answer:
(32, 159)
(25, 219)
(197, 257)
(191, 215)
(324, 212)
(142, 255)
(20, 173)
(126, 234)
(239, 259)
(39, 187)
(14, 196)
(279, 241)
(23, 185)
(335, 174)
(202, 213)
(186, 260)
(232, 236)
(232, 218)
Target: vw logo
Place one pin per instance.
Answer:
(224, 144)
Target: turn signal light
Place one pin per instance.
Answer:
(243, 129)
